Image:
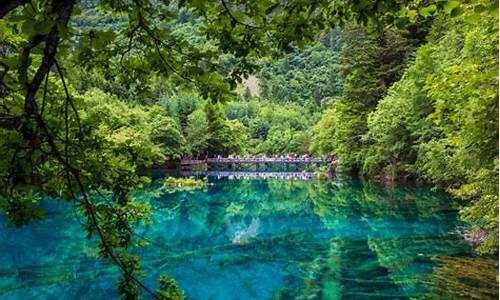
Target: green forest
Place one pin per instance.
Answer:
(95, 93)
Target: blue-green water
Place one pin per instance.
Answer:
(251, 239)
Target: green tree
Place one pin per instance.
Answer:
(270, 127)
(239, 138)
(440, 121)
(370, 64)
(197, 133)
(50, 141)
(307, 75)
(148, 133)
(180, 105)
(224, 137)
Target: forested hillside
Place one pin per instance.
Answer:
(435, 119)
(419, 102)
(91, 92)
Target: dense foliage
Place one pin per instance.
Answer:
(439, 122)
(272, 128)
(370, 64)
(93, 91)
(309, 77)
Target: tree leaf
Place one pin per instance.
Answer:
(450, 5)
(428, 11)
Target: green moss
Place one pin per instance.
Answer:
(173, 184)
(321, 175)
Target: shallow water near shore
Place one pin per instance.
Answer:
(255, 237)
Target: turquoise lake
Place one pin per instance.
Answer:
(251, 238)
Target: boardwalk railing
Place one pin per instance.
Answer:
(264, 160)
(249, 174)
(253, 160)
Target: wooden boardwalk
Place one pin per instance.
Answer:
(252, 160)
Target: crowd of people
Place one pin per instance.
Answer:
(266, 158)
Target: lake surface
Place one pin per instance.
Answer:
(248, 238)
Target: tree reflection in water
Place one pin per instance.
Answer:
(268, 238)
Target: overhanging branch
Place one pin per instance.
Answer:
(6, 6)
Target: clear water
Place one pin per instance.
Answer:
(251, 239)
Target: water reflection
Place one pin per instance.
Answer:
(260, 239)
(243, 236)
(247, 175)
